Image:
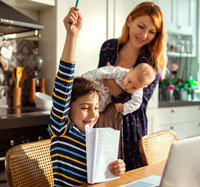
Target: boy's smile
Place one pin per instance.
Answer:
(85, 110)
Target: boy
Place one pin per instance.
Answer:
(75, 104)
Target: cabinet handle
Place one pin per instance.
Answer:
(12, 143)
(40, 138)
(172, 111)
(172, 128)
(2, 158)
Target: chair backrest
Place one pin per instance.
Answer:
(155, 148)
(29, 165)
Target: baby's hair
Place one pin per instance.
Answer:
(83, 86)
(145, 73)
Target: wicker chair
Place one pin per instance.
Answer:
(155, 148)
(29, 165)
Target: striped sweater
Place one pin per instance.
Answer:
(68, 148)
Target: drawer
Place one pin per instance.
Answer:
(173, 115)
(193, 129)
(179, 129)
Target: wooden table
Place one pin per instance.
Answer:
(130, 176)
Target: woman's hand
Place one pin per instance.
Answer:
(73, 21)
(111, 85)
(117, 167)
(119, 107)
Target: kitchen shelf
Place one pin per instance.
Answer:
(177, 103)
(36, 5)
(176, 54)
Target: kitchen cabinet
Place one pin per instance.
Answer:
(21, 125)
(179, 129)
(185, 121)
(180, 20)
(152, 111)
(152, 118)
(36, 5)
(179, 15)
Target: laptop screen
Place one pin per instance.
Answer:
(183, 165)
(182, 168)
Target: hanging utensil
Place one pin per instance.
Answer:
(19, 71)
(24, 75)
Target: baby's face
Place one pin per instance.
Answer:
(131, 82)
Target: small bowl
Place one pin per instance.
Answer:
(43, 101)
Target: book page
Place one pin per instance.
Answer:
(90, 136)
(105, 149)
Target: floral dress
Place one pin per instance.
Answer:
(134, 124)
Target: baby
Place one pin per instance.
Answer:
(131, 80)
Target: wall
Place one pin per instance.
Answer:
(23, 55)
(91, 37)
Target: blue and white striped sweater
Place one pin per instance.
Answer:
(68, 148)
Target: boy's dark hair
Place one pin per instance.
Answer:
(83, 86)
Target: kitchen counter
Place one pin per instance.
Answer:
(22, 117)
(21, 125)
(177, 103)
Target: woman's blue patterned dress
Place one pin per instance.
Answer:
(134, 124)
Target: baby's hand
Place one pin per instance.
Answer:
(119, 107)
(117, 167)
(108, 64)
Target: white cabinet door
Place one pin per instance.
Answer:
(185, 14)
(179, 129)
(185, 121)
(168, 8)
(153, 102)
(193, 129)
(183, 130)
(180, 15)
(152, 118)
(173, 115)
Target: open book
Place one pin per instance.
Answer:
(102, 146)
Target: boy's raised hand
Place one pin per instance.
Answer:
(73, 24)
(73, 21)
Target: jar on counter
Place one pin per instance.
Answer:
(183, 95)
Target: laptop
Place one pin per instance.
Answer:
(182, 168)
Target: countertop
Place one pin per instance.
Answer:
(177, 103)
(30, 116)
(22, 117)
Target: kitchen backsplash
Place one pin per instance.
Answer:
(24, 54)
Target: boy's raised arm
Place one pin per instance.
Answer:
(59, 117)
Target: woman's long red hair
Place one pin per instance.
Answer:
(158, 46)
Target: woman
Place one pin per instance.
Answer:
(143, 40)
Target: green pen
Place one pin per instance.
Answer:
(76, 3)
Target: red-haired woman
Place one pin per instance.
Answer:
(143, 40)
